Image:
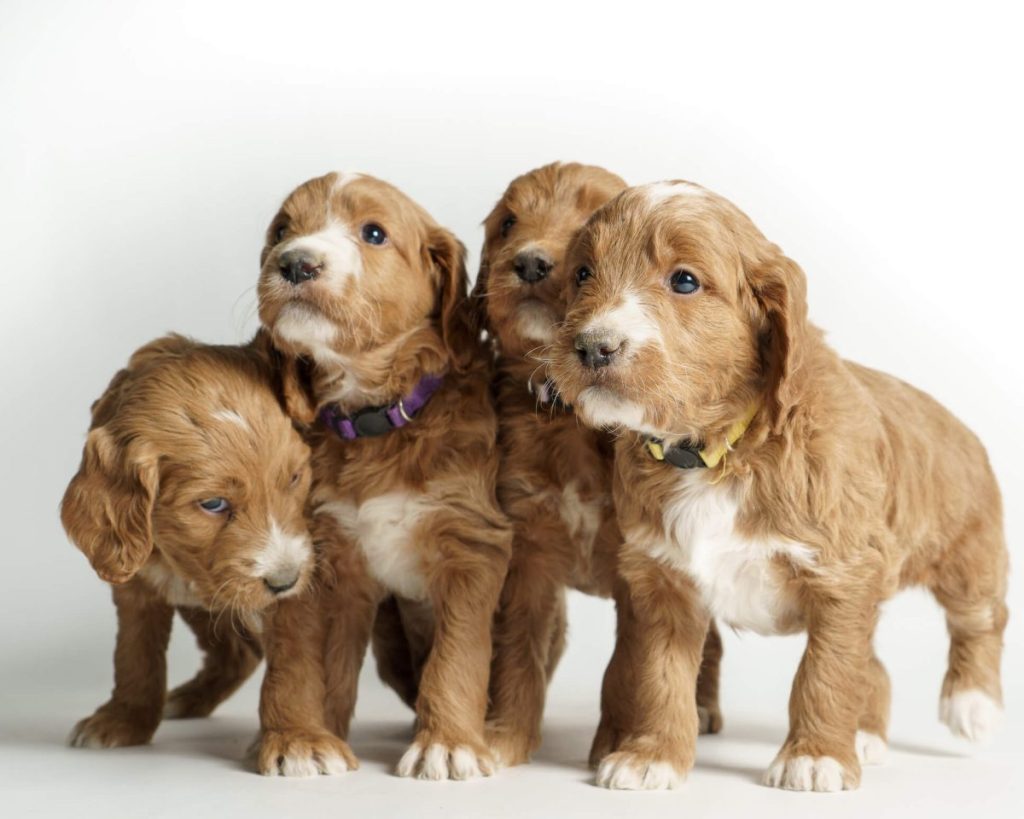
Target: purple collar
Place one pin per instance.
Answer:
(372, 421)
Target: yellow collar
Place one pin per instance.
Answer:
(689, 457)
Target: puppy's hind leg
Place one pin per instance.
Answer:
(709, 711)
(230, 659)
(529, 623)
(971, 585)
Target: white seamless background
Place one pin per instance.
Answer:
(144, 147)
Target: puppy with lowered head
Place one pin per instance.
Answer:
(763, 480)
(190, 497)
(365, 298)
(554, 482)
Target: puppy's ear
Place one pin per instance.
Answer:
(780, 289)
(108, 506)
(458, 315)
(291, 377)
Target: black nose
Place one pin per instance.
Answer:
(597, 348)
(279, 585)
(298, 266)
(532, 265)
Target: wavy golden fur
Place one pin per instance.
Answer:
(555, 477)
(364, 294)
(847, 485)
(184, 423)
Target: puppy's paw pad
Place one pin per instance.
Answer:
(871, 748)
(971, 714)
(304, 756)
(436, 761)
(626, 771)
(807, 773)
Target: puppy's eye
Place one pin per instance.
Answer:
(373, 234)
(215, 506)
(280, 232)
(683, 281)
(582, 274)
(295, 480)
(507, 225)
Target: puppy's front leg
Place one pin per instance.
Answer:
(449, 742)
(661, 635)
(132, 714)
(827, 700)
(294, 740)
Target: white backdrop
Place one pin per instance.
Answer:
(144, 146)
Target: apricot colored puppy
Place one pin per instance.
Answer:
(365, 297)
(763, 480)
(190, 496)
(555, 477)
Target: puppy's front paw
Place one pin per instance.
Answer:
(632, 771)
(431, 759)
(795, 772)
(300, 753)
(112, 728)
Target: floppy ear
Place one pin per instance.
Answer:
(108, 506)
(291, 376)
(459, 316)
(780, 289)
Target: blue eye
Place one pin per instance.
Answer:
(215, 506)
(373, 234)
(683, 281)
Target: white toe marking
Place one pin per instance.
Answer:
(871, 748)
(410, 759)
(625, 773)
(440, 762)
(971, 714)
(298, 766)
(435, 762)
(464, 764)
(806, 773)
(332, 765)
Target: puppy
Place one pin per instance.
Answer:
(365, 297)
(190, 497)
(763, 480)
(555, 477)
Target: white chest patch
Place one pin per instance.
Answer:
(736, 575)
(383, 528)
(582, 519)
(175, 590)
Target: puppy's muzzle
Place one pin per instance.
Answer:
(298, 266)
(597, 348)
(532, 265)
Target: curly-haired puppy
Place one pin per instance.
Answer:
(554, 482)
(765, 481)
(190, 496)
(365, 297)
